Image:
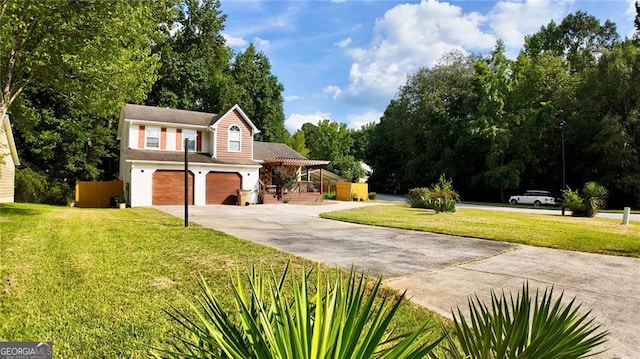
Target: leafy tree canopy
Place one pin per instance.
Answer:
(97, 53)
(259, 93)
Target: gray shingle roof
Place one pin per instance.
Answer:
(265, 150)
(168, 115)
(178, 156)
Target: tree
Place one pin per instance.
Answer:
(425, 132)
(331, 140)
(298, 143)
(361, 140)
(194, 59)
(97, 53)
(580, 38)
(63, 143)
(494, 121)
(259, 93)
(636, 21)
(607, 124)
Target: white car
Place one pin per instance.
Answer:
(536, 198)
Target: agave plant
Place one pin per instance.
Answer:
(525, 328)
(341, 319)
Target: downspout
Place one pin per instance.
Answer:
(214, 142)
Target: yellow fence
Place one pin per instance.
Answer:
(97, 194)
(346, 191)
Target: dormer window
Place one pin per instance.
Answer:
(234, 138)
(152, 137)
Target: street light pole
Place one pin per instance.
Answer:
(564, 177)
(186, 183)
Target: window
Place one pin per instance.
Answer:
(191, 135)
(152, 137)
(234, 138)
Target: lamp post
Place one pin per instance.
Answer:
(564, 177)
(186, 182)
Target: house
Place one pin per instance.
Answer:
(223, 158)
(8, 161)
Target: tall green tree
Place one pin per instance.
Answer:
(361, 140)
(331, 140)
(608, 123)
(63, 143)
(636, 21)
(259, 93)
(495, 122)
(580, 38)
(298, 143)
(425, 132)
(194, 59)
(97, 53)
(542, 96)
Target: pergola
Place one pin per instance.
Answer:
(285, 162)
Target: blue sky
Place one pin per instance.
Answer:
(345, 60)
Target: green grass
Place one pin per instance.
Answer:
(97, 281)
(597, 235)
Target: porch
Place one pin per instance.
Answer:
(281, 180)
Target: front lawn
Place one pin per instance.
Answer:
(597, 235)
(97, 281)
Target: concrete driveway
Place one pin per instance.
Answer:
(440, 271)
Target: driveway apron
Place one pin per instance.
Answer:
(438, 271)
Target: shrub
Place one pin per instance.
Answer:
(34, 187)
(441, 204)
(284, 180)
(418, 197)
(525, 327)
(329, 195)
(372, 196)
(343, 319)
(444, 189)
(31, 186)
(440, 197)
(593, 198)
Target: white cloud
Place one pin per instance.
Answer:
(261, 44)
(356, 121)
(407, 37)
(292, 98)
(233, 41)
(344, 42)
(511, 21)
(631, 10)
(332, 91)
(411, 36)
(630, 14)
(338, 1)
(296, 120)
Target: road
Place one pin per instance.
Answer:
(552, 211)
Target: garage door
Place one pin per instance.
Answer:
(168, 188)
(222, 186)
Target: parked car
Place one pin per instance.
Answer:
(536, 198)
